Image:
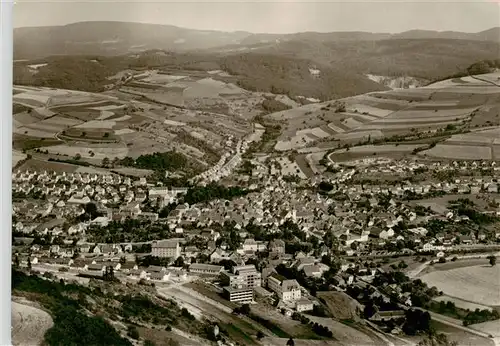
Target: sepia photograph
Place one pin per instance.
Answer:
(287, 173)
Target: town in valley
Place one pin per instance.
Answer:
(254, 193)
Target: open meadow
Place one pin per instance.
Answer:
(476, 284)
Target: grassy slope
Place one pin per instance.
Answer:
(81, 314)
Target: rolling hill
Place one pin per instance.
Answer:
(424, 58)
(316, 65)
(116, 38)
(113, 38)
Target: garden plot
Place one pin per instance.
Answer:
(361, 116)
(471, 138)
(33, 132)
(97, 124)
(173, 123)
(359, 135)
(29, 324)
(420, 94)
(484, 90)
(460, 152)
(295, 112)
(109, 107)
(362, 108)
(99, 152)
(386, 103)
(25, 118)
(436, 104)
(49, 128)
(73, 98)
(424, 120)
(295, 142)
(428, 114)
(61, 121)
(367, 149)
(31, 99)
(288, 167)
(478, 284)
(317, 132)
(336, 128)
(404, 125)
(351, 123)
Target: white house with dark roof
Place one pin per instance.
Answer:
(166, 249)
(287, 290)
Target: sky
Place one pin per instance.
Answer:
(260, 16)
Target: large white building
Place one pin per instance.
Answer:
(166, 248)
(287, 290)
(239, 295)
(239, 284)
(242, 276)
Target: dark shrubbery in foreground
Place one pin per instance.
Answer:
(71, 325)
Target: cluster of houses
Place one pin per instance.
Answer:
(225, 166)
(358, 222)
(66, 194)
(276, 203)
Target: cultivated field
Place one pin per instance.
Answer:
(29, 323)
(396, 112)
(17, 156)
(388, 148)
(84, 151)
(123, 126)
(460, 152)
(491, 328)
(477, 284)
(48, 97)
(462, 304)
(287, 167)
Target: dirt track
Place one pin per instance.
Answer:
(29, 324)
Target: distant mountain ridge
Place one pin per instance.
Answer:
(116, 38)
